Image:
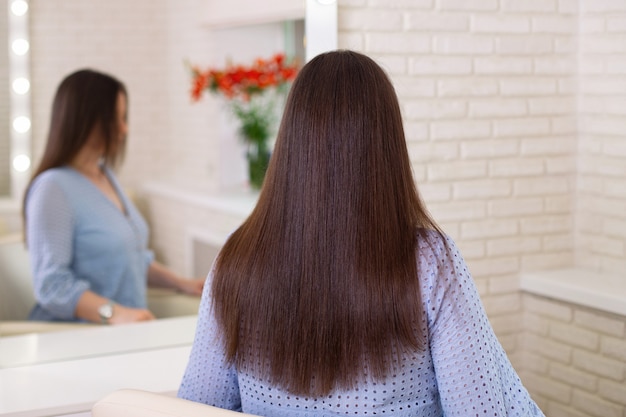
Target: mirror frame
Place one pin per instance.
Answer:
(320, 27)
(20, 109)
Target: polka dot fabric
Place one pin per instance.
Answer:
(464, 373)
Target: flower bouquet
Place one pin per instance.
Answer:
(253, 93)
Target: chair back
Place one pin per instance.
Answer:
(16, 284)
(138, 403)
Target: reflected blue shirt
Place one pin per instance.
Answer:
(79, 240)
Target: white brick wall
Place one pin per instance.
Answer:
(574, 358)
(131, 41)
(504, 104)
(602, 125)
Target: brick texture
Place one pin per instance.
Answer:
(601, 127)
(574, 358)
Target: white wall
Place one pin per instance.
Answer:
(601, 209)
(488, 90)
(515, 115)
(515, 112)
(144, 43)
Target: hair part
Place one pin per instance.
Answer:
(321, 279)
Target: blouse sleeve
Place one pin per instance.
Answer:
(209, 378)
(49, 229)
(473, 372)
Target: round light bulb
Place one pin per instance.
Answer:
(19, 7)
(21, 124)
(21, 85)
(20, 46)
(21, 163)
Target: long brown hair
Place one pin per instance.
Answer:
(85, 100)
(321, 280)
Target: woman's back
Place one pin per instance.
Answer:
(463, 372)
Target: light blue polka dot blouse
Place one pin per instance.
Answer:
(79, 240)
(464, 373)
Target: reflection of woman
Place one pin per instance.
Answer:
(338, 295)
(87, 241)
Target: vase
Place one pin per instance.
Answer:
(256, 124)
(258, 160)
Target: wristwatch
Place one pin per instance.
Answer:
(106, 311)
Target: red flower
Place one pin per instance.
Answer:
(242, 82)
(200, 82)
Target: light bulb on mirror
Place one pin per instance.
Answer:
(21, 124)
(19, 7)
(21, 163)
(21, 85)
(20, 46)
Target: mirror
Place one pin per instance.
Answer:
(15, 146)
(16, 101)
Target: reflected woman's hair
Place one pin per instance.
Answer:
(85, 100)
(322, 276)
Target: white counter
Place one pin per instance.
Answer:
(39, 348)
(67, 372)
(599, 290)
(74, 386)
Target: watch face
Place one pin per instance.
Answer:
(106, 311)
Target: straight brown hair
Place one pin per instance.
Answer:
(321, 282)
(85, 100)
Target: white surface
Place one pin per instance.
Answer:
(74, 386)
(64, 373)
(95, 341)
(602, 291)
(236, 202)
(232, 13)
(321, 27)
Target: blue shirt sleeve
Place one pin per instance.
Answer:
(473, 372)
(209, 378)
(49, 238)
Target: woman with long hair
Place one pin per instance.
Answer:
(340, 294)
(87, 242)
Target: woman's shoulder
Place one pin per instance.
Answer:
(54, 182)
(55, 176)
(437, 254)
(434, 241)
